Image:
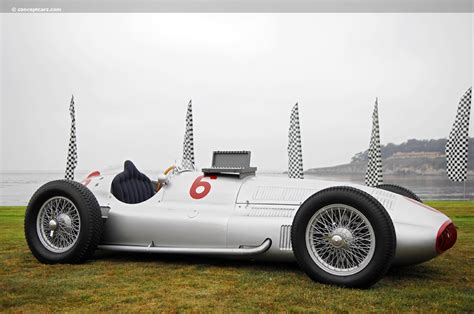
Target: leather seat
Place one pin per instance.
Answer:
(131, 186)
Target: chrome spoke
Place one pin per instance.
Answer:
(58, 224)
(340, 239)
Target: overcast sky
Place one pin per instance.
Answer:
(133, 74)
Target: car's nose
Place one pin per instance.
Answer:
(447, 236)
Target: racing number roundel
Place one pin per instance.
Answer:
(200, 188)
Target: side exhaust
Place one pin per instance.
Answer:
(242, 251)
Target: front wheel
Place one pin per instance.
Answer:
(63, 223)
(343, 236)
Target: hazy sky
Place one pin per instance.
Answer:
(133, 74)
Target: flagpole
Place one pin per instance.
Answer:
(464, 189)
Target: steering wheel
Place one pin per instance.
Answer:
(168, 170)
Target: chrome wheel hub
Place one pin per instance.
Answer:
(337, 241)
(58, 224)
(65, 221)
(53, 225)
(340, 239)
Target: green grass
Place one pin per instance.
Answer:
(131, 282)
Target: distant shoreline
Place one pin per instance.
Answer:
(17, 188)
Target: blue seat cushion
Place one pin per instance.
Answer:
(131, 186)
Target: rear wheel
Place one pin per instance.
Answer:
(63, 223)
(343, 236)
(400, 190)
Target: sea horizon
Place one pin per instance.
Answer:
(16, 188)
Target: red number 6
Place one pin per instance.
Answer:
(199, 183)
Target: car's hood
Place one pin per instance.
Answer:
(293, 192)
(284, 191)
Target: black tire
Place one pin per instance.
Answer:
(400, 190)
(375, 213)
(91, 224)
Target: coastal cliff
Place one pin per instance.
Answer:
(413, 157)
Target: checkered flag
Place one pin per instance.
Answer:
(188, 145)
(72, 150)
(457, 145)
(295, 156)
(374, 174)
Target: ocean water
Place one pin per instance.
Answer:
(17, 188)
(426, 187)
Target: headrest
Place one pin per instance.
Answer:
(130, 171)
(129, 167)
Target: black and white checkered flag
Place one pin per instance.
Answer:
(188, 145)
(374, 174)
(457, 145)
(72, 149)
(295, 156)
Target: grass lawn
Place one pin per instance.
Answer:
(133, 282)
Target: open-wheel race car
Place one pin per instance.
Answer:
(339, 233)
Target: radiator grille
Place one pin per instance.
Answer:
(285, 238)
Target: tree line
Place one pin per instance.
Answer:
(412, 145)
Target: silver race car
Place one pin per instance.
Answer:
(339, 233)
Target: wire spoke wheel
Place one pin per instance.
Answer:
(340, 239)
(63, 223)
(334, 237)
(58, 224)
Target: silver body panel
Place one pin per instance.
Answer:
(240, 214)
